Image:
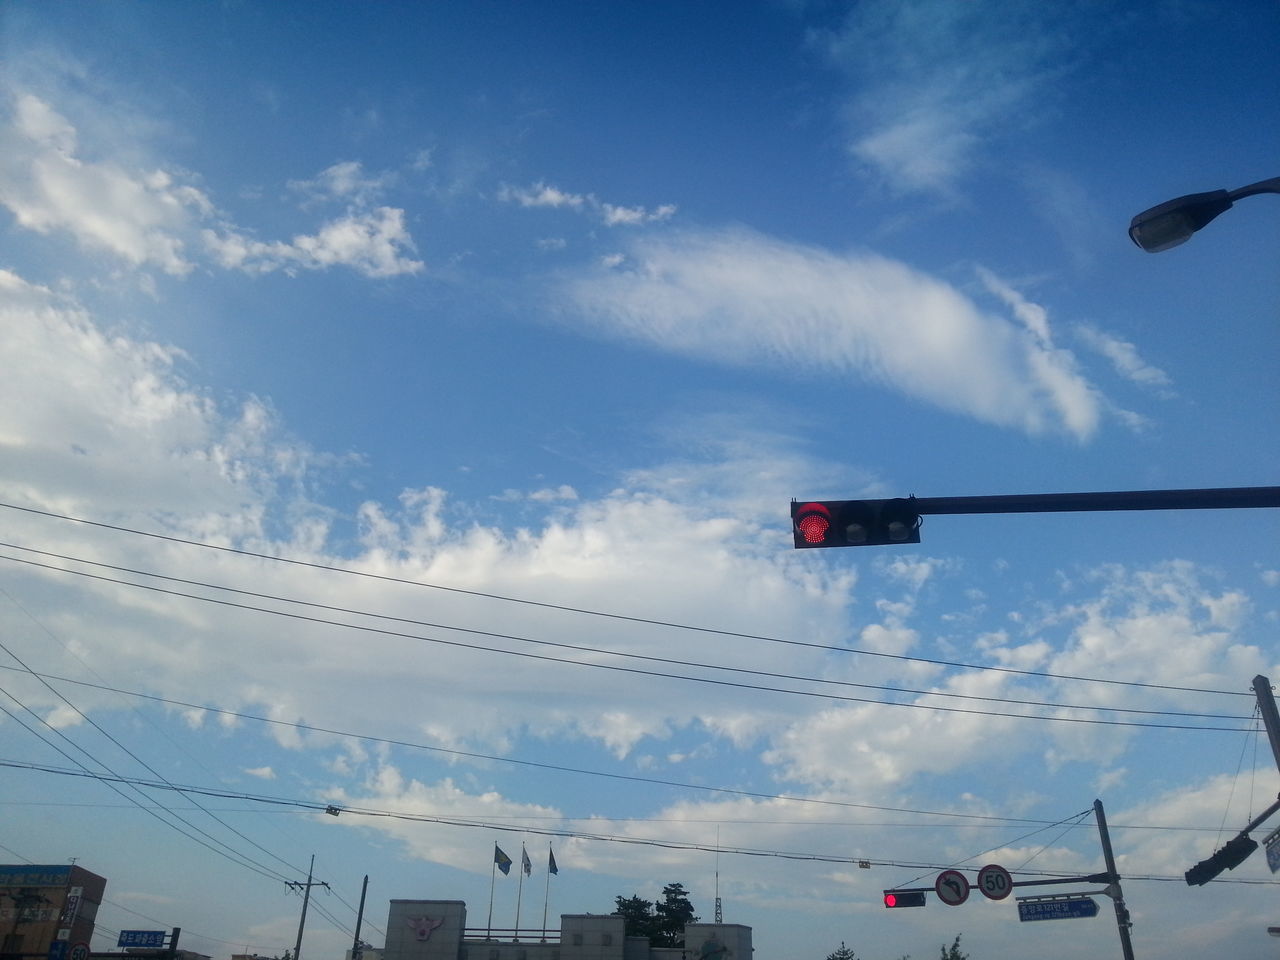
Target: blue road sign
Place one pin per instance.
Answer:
(1072, 909)
(141, 938)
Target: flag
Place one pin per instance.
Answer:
(551, 861)
(502, 860)
(524, 861)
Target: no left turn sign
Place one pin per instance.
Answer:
(952, 887)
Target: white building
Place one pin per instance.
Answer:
(437, 930)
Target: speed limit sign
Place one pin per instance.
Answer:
(79, 951)
(994, 882)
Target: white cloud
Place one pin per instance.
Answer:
(1125, 359)
(372, 243)
(262, 773)
(937, 80)
(151, 218)
(611, 215)
(137, 215)
(746, 299)
(345, 181)
(542, 195)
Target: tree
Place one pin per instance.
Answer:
(637, 916)
(662, 923)
(844, 953)
(954, 952)
(672, 915)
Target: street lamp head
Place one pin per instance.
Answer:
(1174, 221)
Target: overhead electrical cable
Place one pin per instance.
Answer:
(142, 717)
(137, 759)
(514, 761)
(615, 667)
(575, 834)
(323, 807)
(602, 613)
(113, 779)
(598, 650)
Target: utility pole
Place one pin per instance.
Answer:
(306, 899)
(356, 949)
(1270, 716)
(1113, 888)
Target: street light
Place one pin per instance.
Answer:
(1174, 221)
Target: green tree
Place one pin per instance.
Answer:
(637, 916)
(662, 923)
(844, 953)
(954, 952)
(672, 915)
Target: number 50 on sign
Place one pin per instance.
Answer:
(994, 882)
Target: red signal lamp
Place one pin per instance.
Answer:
(813, 523)
(903, 898)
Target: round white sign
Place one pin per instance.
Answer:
(994, 882)
(952, 887)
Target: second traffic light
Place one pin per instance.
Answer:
(854, 523)
(1233, 853)
(903, 898)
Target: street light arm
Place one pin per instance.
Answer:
(1262, 186)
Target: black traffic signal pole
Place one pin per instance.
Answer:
(856, 523)
(1217, 498)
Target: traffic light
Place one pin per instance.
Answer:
(904, 898)
(854, 523)
(1234, 853)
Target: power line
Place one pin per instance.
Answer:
(150, 769)
(597, 650)
(309, 805)
(614, 667)
(605, 614)
(571, 834)
(115, 779)
(493, 758)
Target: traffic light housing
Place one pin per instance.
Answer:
(854, 523)
(1233, 853)
(903, 898)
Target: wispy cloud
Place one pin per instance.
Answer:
(1125, 359)
(742, 298)
(936, 79)
(151, 218)
(611, 215)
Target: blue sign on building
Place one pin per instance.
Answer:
(1058, 909)
(141, 938)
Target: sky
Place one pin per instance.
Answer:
(402, 405)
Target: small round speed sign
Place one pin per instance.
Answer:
(994, 882)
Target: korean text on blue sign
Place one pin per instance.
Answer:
(141, 938)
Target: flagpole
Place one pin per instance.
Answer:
(546, 894)
(524, 858)
(493, 876)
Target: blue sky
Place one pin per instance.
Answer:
(521, 324)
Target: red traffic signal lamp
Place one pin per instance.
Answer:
(854, 523)
(903, 898)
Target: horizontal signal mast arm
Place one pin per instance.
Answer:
(1219, 498)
